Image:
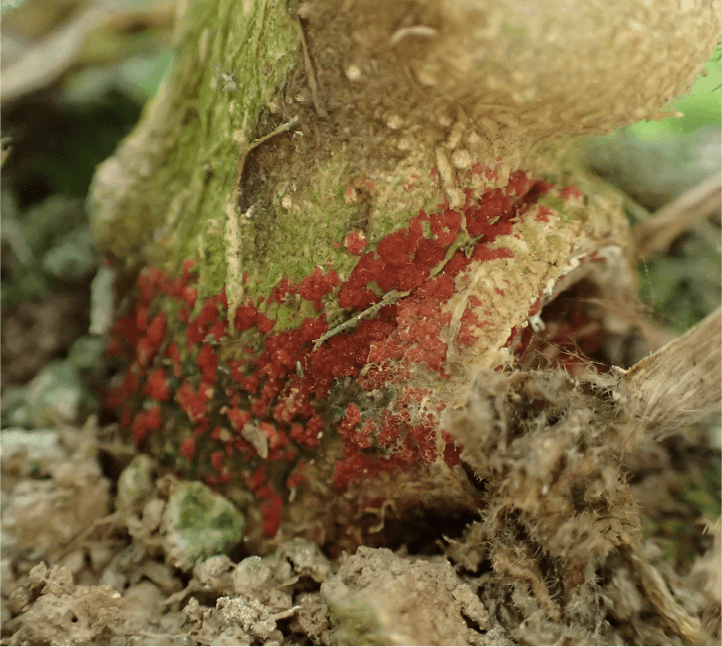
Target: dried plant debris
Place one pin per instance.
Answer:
(559, 528)
(543, 451)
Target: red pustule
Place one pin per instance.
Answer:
(271, 509)
(144, 422)
(572, 192)
(194, 403)
(207, 361)
(355, 242)
(543, 214)
(156, 385)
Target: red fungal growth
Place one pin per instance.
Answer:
(149, 345)
(390, 431)
(207, 362)
(156, 386)
(276, 438)
(571, 192)
(218, 329)
(469, 329)
(456, 264)
(217, 461)
(194, 404)
(271, 509)
(354, 293)
(127, 387)
(141, 319)
(146, 288)
(543, 214)
(125, 328)
(485, 217)
(297, 477)
(189, 295)
(355, 243)
(424, 438)
(174, 354)
(279, 384)
(357, 467)
(156, 331)
(126, 416)
(396, 248)
(309, 434)
(238, 417)
(318, 285)
(485, 171)
(144, 352)
(351, 418)
(445, 227)
(484, 253)
(519, 184)
(414, 395)
(263, 323)
(536, 307)
(452, 451)
(417, 340)
(145, 422)
(245, 317)
(198, 328)
(278, 294)
(355, 438)
(188, 448)
(363, 435)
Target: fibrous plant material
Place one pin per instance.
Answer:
(307, 290)
(545, 451)
(679, 384)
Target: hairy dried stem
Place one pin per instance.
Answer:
(680, 383)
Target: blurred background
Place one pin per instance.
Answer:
(75, 77)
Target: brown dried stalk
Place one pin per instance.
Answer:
(657, 233)
(680, 383)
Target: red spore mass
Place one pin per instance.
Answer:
(194, 403)
(318, 285)
(156, 385)
(543, 214)
(571, 192)
(213, 380)
(146, 421)
(207, 361)
(188, 448)
(355, 242)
